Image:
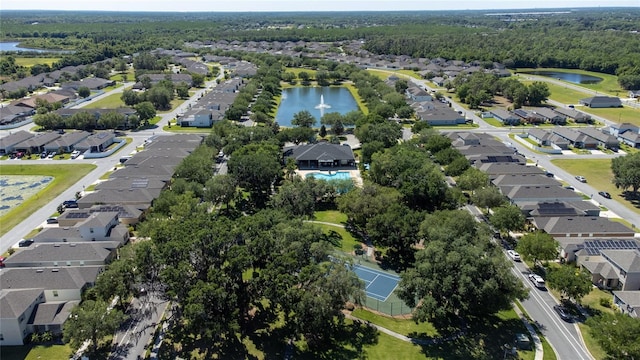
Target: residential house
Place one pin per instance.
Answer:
(529, 117)
(321, 155)
(576, 138)
(93, 83)
(96, 143)
(418, 94)
(66, 142)
(24, 290)
(35, 144)
(634, 94)
(601, 102)
(61, 255)
(440, 115)
(626, 133)
(613, 269)
(127, 214)
(51, 98)
(577, 116)
(628, 302)
(524, 180)
(538, 193)
(508, 168)
(506, 117)
(10, 114)
(558, 208)
(603, 139)
(582, 226)
(100, 226)
(550, 116)
(9, 142)
(548, 138)
(196, 117)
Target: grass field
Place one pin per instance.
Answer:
(33, 352)
(64, 176)
(296, 71)
(354, 92)
(112, 101)
(30, 61)
(599, 175)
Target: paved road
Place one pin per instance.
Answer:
(565, 338)
(145, 314)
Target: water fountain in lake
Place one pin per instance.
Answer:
(322, 105)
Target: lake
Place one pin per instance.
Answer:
(317, 100)
(13, 46)
(568, 76)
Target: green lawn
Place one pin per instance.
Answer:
(340, 237)
(296, 71)
(594, 348)
(618, 115)
(599, 175)
(31, 352)
(30, 61)
(64, 176)
(112, 101)
(354, 92)
(332, 216)
(405, 327)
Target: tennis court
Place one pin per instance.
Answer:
(378, 285)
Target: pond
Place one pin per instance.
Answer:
(15, 189)
(14, 46)
(317, 100)
(568, 76)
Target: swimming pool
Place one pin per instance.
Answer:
(339, 175)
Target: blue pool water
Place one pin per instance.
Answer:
(340, 175)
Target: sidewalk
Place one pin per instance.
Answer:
(534, 335)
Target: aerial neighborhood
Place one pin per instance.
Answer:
(414, 195)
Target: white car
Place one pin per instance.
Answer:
(75, 154)
(513, 255)
(537, 280)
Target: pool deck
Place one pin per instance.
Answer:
(353, 173)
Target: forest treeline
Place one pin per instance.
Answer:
(601, 40)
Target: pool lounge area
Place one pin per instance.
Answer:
(328, 175)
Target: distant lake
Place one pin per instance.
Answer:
(294, 100)
(568, 76)
(13, 46)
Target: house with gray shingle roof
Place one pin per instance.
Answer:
(582, 227)
(321, 155)
(16, 307)
(577, 116)
(99, 226)
(614, 269)
(35, 144)
(601, 102)
(550, 116)
(61, 254)
(9, 142)
(628, 302)
(524, 180)
(577, 139)
(508, 168)
(559, 208)
(538, 193)
(59, 283)
(603, 139)
(506, 117)
(67, 141)
(51, 316)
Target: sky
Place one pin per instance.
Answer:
(304, 5)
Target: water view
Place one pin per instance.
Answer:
(317, 100)
(14, 46)
(568, 76)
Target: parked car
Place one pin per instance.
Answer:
(75, 154)
(537, 280)
(52, 220)
(548, 174)
(513, 255)
(25, 242)
(70, 204)
(563, 312)
(604, 194)
(570, 188)
(582, 179)
(51, 155)
(43, 155)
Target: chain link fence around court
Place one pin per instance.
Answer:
(392, 305)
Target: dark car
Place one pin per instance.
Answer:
(70, 204)
(25, 242)
(548, 174)
(52, 220)
(605, 194)
(562, 311)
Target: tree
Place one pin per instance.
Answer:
(129, 97)
(626, 172)
(387, 133)
(182, 90)
(401, 86)
(297, 135)
(457, 279)
(617, 334)
(572, 282)
(111, 120)
(323, 131)
(197, 80)
(488, 197)
(364, 203)
(507, 218)
(160, 97)
(303, 119)
(49, 121)
(145, 111)
(473, 179)
(256, 167)
(81, 121)
(538, 92)
(538, 246)
(91, 320)
(84, 91)
(221, 189)
(117, 280)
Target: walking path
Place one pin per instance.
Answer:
(537, 343)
